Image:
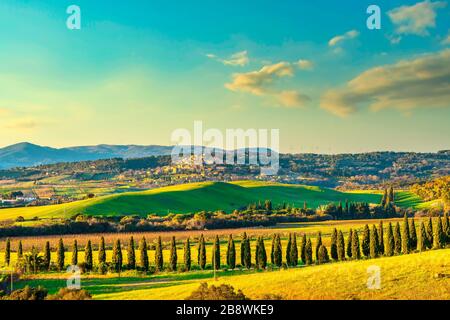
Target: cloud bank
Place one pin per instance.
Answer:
(423, 82)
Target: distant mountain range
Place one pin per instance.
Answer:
(27, 154)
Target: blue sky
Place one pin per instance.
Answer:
(138, 70)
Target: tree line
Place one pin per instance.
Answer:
(373, 242)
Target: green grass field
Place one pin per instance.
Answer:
(194, 197)
(411, 276)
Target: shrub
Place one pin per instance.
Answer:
(222, 292)
(70, 294)
(29, 293)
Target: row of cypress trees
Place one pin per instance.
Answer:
(398, 240)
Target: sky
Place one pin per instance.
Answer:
(136, 71)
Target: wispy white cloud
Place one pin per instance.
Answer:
(422, 82)
(261, 82)
(305, 64)
(22, 124)
(415, 19)
(446, 40)
(341, 38)
(237, 59)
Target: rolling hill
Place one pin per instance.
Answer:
(192, 197)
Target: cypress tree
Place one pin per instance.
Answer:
(406, 241)
(261, 257)
(278, 252)
(143, 262)
(294, 251)
(216, 254)
(173, 255)
(413, 236)
(159, 260)
(288, 250)
(187, 255)
(430, 233)
(272, 250)
(8, 251)
(323, 255)
(309, 252)
(131, 255)
(318, 244)
(423, 238)
(374, 252)
(243, 249)
(333, 248)
(397, 239)
(60, 255)
(365, 245)
(231, 253)
(446, 228)
(75, 253)
(248, 254)
(390, 242)
(349, 243)
(202, 252)
(340, 246)
(117, 256)
(47, 256)
(356, 251)
(438, 239)
(88, 256)
(381, 238)
(303, 248)
(101, 251)
(20, 250)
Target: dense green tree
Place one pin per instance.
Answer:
(413, 236)
(446, 228)
(247, 254)
(308, 252)
(406, 240)
(173, 255)
(293, 255)
(288, 250)
(117, 256)
(243, 249)
(390, 242)
(374, 250)
(187, 255)
(333, 248)
(272, 250)
(88, 256)
(384, 198)
(423, 238)
(365, 245)
(356, 250)
(20, 250)
(47, 256)
(438, 238)
(102, 251)
(391, 195)
(260, 255)
(159, 259)
(278, 252)
(202, 252)
(323, 255)
(216, 254)
(143, 259)
(303, 248)
(397, 239)
(430, 233)
(60, 254)
(318, 244)
(349, 243)
(75, 253)
(231, 253)
(340, 246)
(7, 251)
(381, 238)
(131, 255)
